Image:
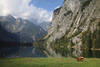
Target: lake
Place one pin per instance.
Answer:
(20, 51)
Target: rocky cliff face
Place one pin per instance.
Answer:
(75, 29)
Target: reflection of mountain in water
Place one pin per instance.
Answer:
(20, 51)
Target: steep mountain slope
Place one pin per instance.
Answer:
(7, 36)
(25, 30)
(75, 29)
(45, 25)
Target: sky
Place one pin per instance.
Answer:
(49, 5)
(40, 10)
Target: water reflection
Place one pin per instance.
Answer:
(96, 53)
(23, 51)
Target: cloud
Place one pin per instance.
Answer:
(23, 9)
(57, 6)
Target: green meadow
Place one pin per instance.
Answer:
(49, 62)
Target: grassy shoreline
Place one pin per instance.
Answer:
(49, 62)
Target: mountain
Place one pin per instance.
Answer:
(75, 30)
(45, 25)
(7, 36)
(23, 31)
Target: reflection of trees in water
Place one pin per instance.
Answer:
(1, 54)
(96, 53)
(12, 49)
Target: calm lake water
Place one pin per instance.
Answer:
(23, 51)
(96, 53)
(30, 51)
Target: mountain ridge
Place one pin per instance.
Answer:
(25, 30)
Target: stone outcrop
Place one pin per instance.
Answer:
(75, 29)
